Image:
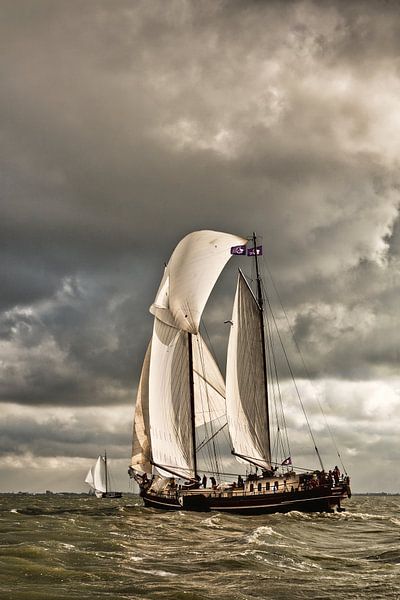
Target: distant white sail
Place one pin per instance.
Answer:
(89, 478)
(141, 451)
(245, 394)
(189, 277)
(99, 475)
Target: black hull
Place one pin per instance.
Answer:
(316, 500)
(111, 495)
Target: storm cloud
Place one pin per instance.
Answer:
(125, 126)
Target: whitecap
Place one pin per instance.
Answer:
(212, 522)
(362, 516)
(159, 573)
(254, 538)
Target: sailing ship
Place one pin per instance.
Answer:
(98, 479)
(184, 406)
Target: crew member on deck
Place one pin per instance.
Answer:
(336, 474)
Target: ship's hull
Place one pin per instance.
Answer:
(321, 499)
(111, 495)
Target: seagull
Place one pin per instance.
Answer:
(229, 321)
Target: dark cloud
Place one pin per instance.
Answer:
(124, 127)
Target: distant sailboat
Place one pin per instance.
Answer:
(99, 480)
(182, 394)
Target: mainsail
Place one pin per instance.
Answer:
(169, 408)
(246, 402)
(189, 277)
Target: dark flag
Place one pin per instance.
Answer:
(287, 461)
(238, 250)
(253, 252)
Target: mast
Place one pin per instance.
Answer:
(192, 413)
(262, 331)
(105, 463)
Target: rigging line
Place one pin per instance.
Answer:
(305, 368)
(295, 385)
(272, 382)
(208, 340)
(271, 340)
(212, 452)
(212, 352)
(204, 378)
(204, 442)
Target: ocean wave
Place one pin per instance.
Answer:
(213, 522)
(256, 536)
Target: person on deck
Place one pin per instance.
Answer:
(204, 481)
(336, 474)
(330, 478)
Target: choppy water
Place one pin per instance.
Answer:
(76, 547)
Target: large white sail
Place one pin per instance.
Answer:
(189, 277)
(246, 405)
(141, 450)
(169, 401)
(169, 397)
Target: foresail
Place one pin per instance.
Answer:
(141, 450)
(169, 401)
(245, 394)
(99, 475)
(89, 477)
(189, 277)
(209, 386)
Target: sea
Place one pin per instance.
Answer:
(79, 547)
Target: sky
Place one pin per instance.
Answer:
(125, 125)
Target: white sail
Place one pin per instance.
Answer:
(169, 397)
(245, 394)
(189, 277)
(89, 478)
(169, 401)
(209, 385)
(99, 475)
(141, 450)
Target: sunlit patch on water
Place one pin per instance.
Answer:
(159, 573)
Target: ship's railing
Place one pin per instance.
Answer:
(255, 488)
